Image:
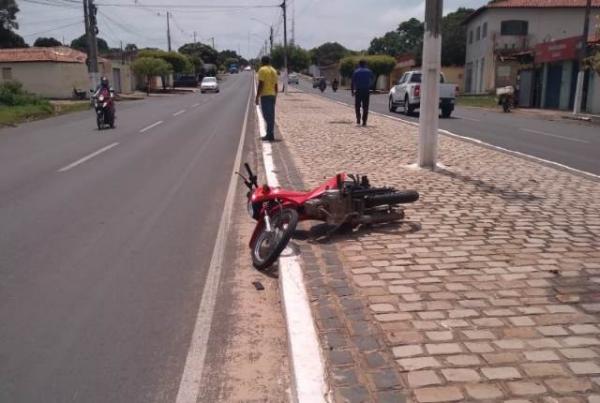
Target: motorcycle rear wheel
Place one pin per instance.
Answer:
(269, 245)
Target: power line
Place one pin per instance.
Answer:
(44, 3)
(188, 6)
(53, 29)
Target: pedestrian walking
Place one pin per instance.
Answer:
(362, 79)
(266, 95)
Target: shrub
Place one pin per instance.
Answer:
(13, 94)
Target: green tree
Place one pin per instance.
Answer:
(179, 62)
(131, 47)
(389, 44)
(379, 64)
(454, 37)
(197, 63)
(229, 61)
(82, 45)
(47, 42)
(328, 53)
(204, 52)
(298, 58)
(8, 23)
(149, 67)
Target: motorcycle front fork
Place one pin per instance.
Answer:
(268, 222)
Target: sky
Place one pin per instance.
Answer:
(240, 25)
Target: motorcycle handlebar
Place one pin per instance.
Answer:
(251, 176)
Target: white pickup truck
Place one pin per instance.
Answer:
(407, 94)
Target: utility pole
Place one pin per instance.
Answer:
(91, 29)
(168, 32)
(212, 38)
(293, 22)
(429, 109)
(582, 56)
(285, 49)
(195, 37)
(271, 40)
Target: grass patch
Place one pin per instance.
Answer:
(17, 105)
(11, 115)
(481, 101)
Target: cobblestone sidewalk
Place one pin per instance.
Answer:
(491, 292)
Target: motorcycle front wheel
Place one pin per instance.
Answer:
(270, 244)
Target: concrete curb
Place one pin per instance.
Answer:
(307, 364)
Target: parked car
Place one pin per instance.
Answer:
(209, 84)
(293, 78)
(317, 81)
(186, 81)
(407, 94)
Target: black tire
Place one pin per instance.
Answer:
(391, 106)
(99, 122)
(284, 224)
(407, 196)
(506, 107)
(446, 112)
(408, 110)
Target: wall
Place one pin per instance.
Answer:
(593, 105)
(544, 25)
(455, 75)
(49, 79)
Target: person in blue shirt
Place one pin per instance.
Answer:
(362, 79)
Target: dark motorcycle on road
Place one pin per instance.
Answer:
(104, 106)
(344, 200)
(323, 85)
(334, 85)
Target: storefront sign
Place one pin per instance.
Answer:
(563, 49)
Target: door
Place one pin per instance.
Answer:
(468, 78)
(526, 88)
(553, 85)
(116, 81)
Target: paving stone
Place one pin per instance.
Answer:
(544, 369)
(443, 348)
(407, 351)
(344, 376)
(479, 347)
(510, 344)
(413, 364)
(351, 394)
(423, 378)
(385, 379)
(391, 396)
(462, 360)
(478, 334)
(578, 352)
(584, 367)
(440, 335)
(484, 391)
(541, 355)
(505, 357)
(461, 375)
(576, 341)
(584, 329)
(526, 388)
(439, 394)
(501, 373)
(521, 321)
(568, 385)
(340, 357)
(552, 330)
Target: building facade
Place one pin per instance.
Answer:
(532, 45)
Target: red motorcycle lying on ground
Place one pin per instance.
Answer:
(342, 200)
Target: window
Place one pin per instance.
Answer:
(484, 30)
(416, 78)
(470, 36)
(514, 27)
(478, 34)
(403, 78)
(6, 73)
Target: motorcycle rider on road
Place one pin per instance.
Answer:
(104, 89)
(334, 84)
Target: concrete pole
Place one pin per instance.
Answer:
(168, 33)
(429, 105)
(93, 44)
(285, 49)
(271, 41)
(582, 56)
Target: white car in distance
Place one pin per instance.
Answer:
(209, 84)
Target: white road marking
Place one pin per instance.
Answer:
(87, 157)
(555, 135)
(160, 122)
(196, 104)
(179, 112)
(308, 371)
(191, 379)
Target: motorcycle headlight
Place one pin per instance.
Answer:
(101, 98)
(104, 105)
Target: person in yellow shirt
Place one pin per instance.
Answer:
(266, 95)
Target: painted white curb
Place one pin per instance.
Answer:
(307, 365)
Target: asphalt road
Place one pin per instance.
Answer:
(574, 144)
(105, 239)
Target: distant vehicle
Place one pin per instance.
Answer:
(293, 78)
(247, 68)
(209, 84)
(317, 81)
(407, 93)
(186, 81)
(233, 69)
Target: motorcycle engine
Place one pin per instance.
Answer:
(333, 206)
